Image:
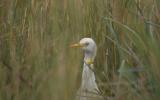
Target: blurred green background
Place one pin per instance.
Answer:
(36, 62)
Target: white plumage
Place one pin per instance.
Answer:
(89, 89)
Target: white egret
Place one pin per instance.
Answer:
(88, 89)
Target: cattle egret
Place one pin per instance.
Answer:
(89, 89)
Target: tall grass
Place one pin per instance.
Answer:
(36, 62)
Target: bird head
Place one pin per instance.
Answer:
(88, 46)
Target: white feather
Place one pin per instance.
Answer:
(89, 89)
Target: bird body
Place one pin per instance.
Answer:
(89, 89)
(88, 79)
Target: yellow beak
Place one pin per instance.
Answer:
(76, 45)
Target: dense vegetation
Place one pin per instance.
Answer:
(36, 62)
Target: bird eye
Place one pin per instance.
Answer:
(87, 43)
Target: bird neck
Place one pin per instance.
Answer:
(89, 56)
(89, 60)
